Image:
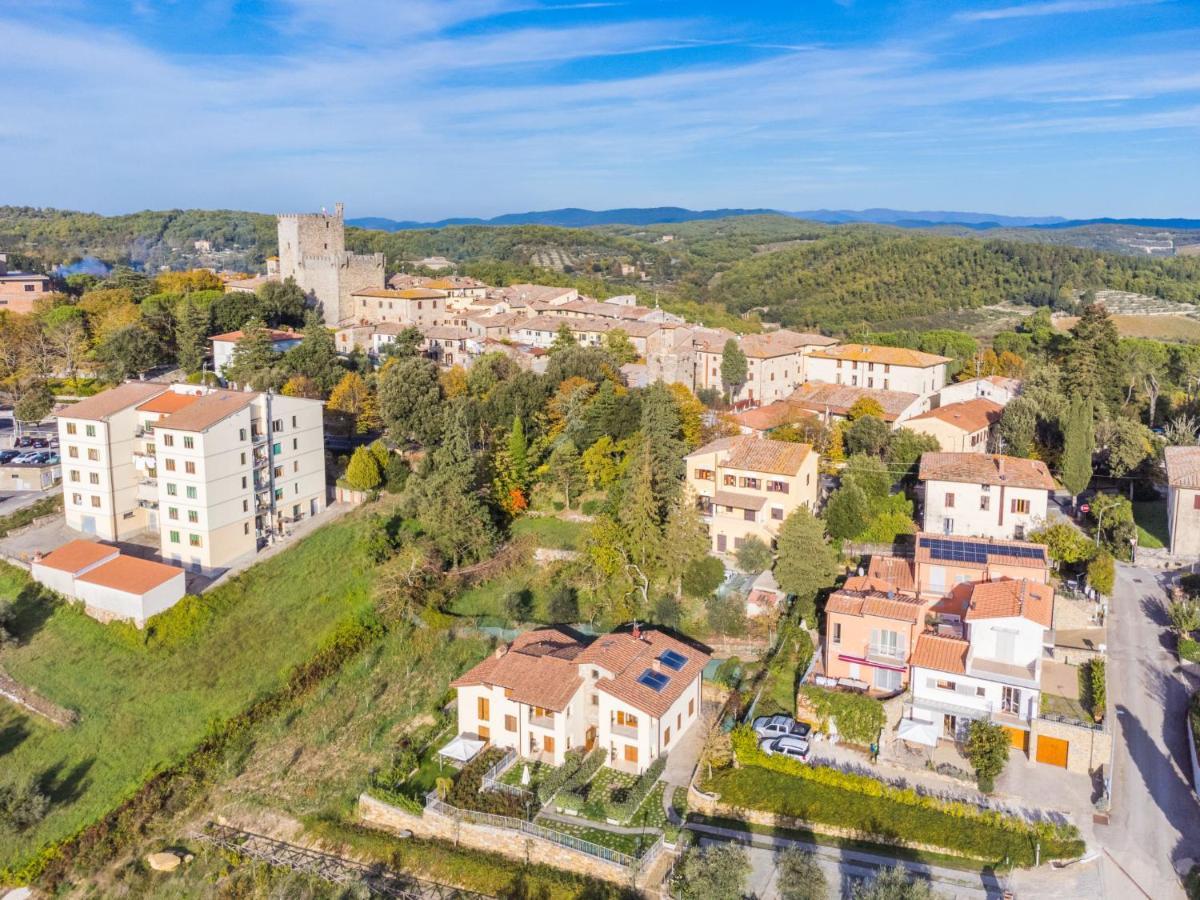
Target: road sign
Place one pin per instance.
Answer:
(1083, 507)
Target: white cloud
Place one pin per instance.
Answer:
(1051, 8)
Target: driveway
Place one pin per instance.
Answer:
(1155, 820)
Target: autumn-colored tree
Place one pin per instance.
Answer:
(864, 406)
(353, 398)
(454, 382)
(363, 472)
(188, 282)
(691, 414)
(301, 386)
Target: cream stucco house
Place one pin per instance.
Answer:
(984, 494)
(1183, 499)
(959, 427)
(633, 694)
(748, 486)
(886, 368)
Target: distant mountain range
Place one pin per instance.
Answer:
(573, 217)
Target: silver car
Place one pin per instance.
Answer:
(795, 747)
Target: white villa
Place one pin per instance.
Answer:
(984, 494)
(632, 693)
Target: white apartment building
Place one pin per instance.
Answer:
(776, 362)
(984, 494)
(216, 473)
(97, 438)
(886, 368)
(985, 661)
(633, 694)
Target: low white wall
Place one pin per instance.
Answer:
(118, 604)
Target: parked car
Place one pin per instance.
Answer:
(779, 726)
(7, 456)
(23, 441)
(773, 726)
(795, 747)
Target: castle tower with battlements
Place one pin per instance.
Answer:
(312, 250)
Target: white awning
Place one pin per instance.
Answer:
(918, 732)
(462, 749)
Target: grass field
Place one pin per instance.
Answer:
(1159, 328)
(1151, 519)
(552, 532)
(143, 707)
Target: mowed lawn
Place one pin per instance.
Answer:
(142, 708)
(551, 531)
(1151, 519)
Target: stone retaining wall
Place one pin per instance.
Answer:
(1074, 656)
(513, 844)
(26, 698)
(1088, 750)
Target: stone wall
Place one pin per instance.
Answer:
(513, 844)
(1074, 656)
(1087, 750)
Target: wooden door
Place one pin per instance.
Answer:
(548, 744)
(631, 753)
(590, 739)
(1052, 751)
(1018, 738)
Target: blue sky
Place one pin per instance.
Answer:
(430, 108)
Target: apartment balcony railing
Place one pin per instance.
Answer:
(1024, 675)
(541, 721)
(629, 731)
(146, 431)
(887, 654)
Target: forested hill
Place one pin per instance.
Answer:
(850, 277)
(806, 274)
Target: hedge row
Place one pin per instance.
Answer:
(859, 718)
(868, 806)
(173, 786)
(550, 785)
(622, 810)
(572, 793)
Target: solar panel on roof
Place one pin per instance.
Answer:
(673, 660)
(656, 681)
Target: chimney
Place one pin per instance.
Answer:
(656, 665)
(1000, 466)
(501, 650)
(637, 631)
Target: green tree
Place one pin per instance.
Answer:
(66, 332)
(686, 539)
(620, 347)
(8, 635)
(805, 563)
(639, 518)
(847, 512)
(35, 403)
(127, 352)
(1184, 615)
(1102, 573)
(868, 435)
(363, 472)
(905, 448)
(712, 872)
(563, 604)
(800, 875)
(22, 804)
(564, 341)
(1017, 427)
(282, 302)
(1078, 444)
(1126, 444)
(987, 749)
(191, 335)
(518, 604)
(407, 343)
(565, 469)
(316, 356)
(603, 462)
(895, 884)
(410, 400)
(703, 576)
(754, 555)
(734, 368)
(662, 436)
(1065, 543)
(870, 474)
(726, 614)
(254, 362)
(1093, 365)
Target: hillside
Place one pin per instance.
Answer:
(876, 277)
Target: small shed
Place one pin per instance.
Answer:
(59, 569)
(130, 588)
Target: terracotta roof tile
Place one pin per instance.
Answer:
(780, 343)
(739, 501)
(1009, 598)
(781, 412)
(639, 655)
(1183, 466)
(986, 468)
(106, 403)
(130, 574)
(895, 570)
(1008, 553)
(893, 356)
(943, 654)
(207, 411)
(414, 293)
(820, 397)
(755, 454)
(168, 402)
(538, 668)
(969, 415)
(875, 603)
(77, 555)
(277, 336)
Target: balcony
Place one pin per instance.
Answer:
(546, 721)
(144, 431)
(886, 654)
(257, 436)
(924, 704)
(995, 669)
(628, 731)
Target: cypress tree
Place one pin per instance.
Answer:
(1079, 442)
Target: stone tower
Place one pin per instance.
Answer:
(312, 250)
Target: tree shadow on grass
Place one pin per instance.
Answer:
(67, 787)
(12, 736)
(31, 608)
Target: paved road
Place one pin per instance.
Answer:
(1155, 826)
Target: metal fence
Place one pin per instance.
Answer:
(532, 829)
(491, 778)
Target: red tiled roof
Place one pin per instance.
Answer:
(638, 655)
(1183, 466)
(986, 468)
(1009, 598)
(106, 403)
(781, 412)
(874, 603)
(168, 402)
(944, 654)
(131, 575)
(207, 411)
(820, 396)
(892, 356)
(755, 454)
(969, 415)
(998, 552)
(276, 336)
(538, 669)
(895, 570)
(77, 555)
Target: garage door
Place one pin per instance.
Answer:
(1052, 751)
(1018, 738)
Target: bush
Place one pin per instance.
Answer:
(866, 805)
(859, 718)
(557, 777)
(729, 672)
(466, 793)
(987, 749)
(1096, 691)
(1102, 573)
(1189, 650)
(754, 555)
(703, 576)
(623, 809)
(22, 805)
